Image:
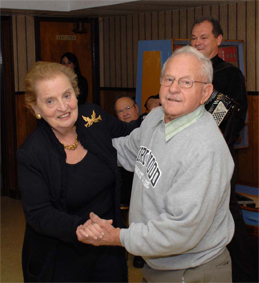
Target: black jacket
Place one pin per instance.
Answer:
(230, 81)
(42, 180)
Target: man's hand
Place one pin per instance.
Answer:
(98, 232)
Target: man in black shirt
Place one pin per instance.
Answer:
(206, 36)
(127, 110)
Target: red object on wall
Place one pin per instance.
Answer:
(229, 54)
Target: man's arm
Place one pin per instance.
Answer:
(179, 228)
(127, 149)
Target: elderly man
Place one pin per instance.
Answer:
(180, 221)
(126, 109)
(206, 36)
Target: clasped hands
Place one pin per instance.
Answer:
(98, 232)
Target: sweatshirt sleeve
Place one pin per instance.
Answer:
(38, 199)
(195, 204)
(127, 149)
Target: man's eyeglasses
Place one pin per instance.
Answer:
(182, 82)
(126, 109)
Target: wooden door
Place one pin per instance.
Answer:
(59, 37)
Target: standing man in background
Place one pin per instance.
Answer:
(206, 36)
(127, 110)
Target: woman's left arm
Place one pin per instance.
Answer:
(38, 201)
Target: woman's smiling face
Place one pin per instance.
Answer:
(57, 102)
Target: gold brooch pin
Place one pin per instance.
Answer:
(92, 120)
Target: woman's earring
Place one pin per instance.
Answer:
(38, 116)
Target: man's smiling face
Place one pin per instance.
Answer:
(204, 40)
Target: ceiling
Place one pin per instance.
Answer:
(95, 9)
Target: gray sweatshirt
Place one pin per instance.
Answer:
(179, 211)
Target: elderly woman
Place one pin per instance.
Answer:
(67, 168)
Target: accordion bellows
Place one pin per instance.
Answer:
(221, 107)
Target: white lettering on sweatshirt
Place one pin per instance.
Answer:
(146, 158)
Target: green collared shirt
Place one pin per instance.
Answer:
(178, 124)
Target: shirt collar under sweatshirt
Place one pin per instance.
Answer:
(178, 124)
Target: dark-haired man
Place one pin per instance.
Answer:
(206, 36)
(152, 102)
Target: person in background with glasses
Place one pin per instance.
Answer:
(127, 110)
(180, 221)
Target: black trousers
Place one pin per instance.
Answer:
(91, 264)
(239, 247)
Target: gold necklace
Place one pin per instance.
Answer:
(73, 146)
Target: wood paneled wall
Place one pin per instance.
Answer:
(119, 38)
(248, 158)
(23, 48)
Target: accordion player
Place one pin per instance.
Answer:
(224, 110)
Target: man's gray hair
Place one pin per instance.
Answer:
(206, 65)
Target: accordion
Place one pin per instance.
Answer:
(224, 110)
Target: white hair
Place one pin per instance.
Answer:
(206, 65)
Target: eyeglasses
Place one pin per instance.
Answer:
(182, 82)
(126, 109)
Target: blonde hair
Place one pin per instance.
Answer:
(45, 71)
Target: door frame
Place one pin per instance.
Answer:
(9, 170)
(95, 47)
